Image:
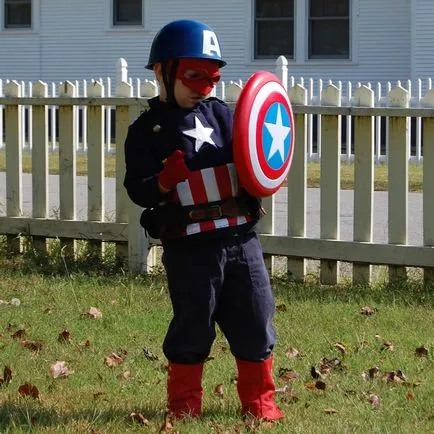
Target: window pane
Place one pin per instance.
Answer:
(268, 45)
(127, 12)
(18, 13)
(274, 8)
(329, 8)
(329, 38)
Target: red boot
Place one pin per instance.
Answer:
(184, 390)
(256, 389)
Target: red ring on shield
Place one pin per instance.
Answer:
(262, 168)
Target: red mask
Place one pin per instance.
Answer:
(199, 75)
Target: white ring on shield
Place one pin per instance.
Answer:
(262, 95)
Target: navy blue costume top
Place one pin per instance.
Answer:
(204, 133)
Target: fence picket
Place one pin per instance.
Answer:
(398, 176)
(330, 180)
(14, 193)
(363, 179)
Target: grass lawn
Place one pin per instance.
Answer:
(313, 171)
(373, 381)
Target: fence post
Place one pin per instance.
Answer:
(297, 184)
(398, 176)
(14, 167)
(40, 186)
(330, 180)
(121, 71)
(282, 70)
(363, 179)
(428, 183)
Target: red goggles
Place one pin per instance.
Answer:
(199, 75)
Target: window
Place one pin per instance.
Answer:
(329, 29)
(17, 14)
(127, 13)
(274, 28)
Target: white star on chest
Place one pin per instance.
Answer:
(201, 134)
(278, 132)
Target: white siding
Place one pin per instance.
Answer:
(74, 41)
(423, 39)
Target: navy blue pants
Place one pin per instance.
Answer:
(219, 282)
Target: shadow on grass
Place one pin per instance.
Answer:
(404, 293)
(30, 415)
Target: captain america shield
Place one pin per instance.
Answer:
(263, 134)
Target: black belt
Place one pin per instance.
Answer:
(231, 207)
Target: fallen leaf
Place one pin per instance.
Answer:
(286, 374)
(281, 307)
(341, 347)
(409, 396)
(59, 369)
(371, 373)
(34, 346)
(320, 385)
(331, 410)
(421, 351)
(99, 395)
(19, 335)
(64, 337)
(367, 310)
(293, 353)
(387, 346)
(374, 400)
(125, 375)
(28, 389)
(149, 354)
(219, 390)
(314, 372)
(114, 359)
(93, 313)
(7, 375)
(138, 417)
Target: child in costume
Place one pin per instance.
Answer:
(179, 167)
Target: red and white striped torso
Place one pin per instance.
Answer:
(210, 185)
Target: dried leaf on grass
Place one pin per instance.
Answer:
(93, 313)
(58, 369)
(421, 351)
(33, 346)
(19, 335)
(28, 389)
(7, 375)
(293, 353)
(286, 374)
(115, 359)
(341, 347)
(138, 417)
(149, 354)
(367, 310)
(64, 337)
(331, 410)
(219, 390)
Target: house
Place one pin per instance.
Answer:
(348, 40)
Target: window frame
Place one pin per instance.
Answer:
(301, 33)
(34, 19)
(110, 16)
(292, 19)
(309, 19)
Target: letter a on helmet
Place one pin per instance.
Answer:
(185, 39)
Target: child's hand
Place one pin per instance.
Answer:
(175, 170)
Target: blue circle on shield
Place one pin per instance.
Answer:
(276, 135)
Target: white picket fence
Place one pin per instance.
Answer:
(148, 88)
(363, 107)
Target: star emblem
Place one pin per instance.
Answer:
(279, 133)
(201, 134)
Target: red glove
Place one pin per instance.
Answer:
(175, 170)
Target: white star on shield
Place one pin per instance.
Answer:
(278, 132)
(201, 134)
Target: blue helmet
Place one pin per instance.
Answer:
(185, 38)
